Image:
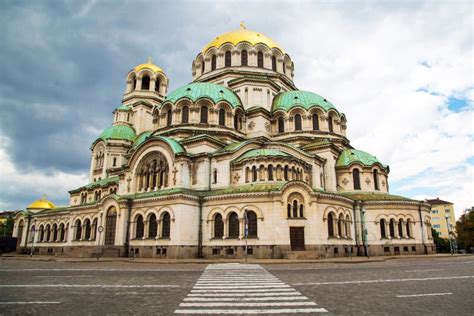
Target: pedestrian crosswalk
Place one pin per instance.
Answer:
(234, 289)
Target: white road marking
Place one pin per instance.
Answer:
(89, 285)
(251, 294)
(430, 270)
(250, 290)
(389, 280)
(244, 299)
(251, 311)
(429, 294)
(256, 304)
(63, 276)
(25, 303)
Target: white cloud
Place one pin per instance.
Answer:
(33, 183)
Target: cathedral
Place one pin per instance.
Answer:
(237, 163)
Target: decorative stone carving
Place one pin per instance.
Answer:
(345, 181)
(367, 181)
(251, 125)
(267, 126)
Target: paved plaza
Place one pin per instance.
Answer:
(424, 286)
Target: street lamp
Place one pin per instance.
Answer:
(449, 235)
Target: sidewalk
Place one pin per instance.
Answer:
(346, 260)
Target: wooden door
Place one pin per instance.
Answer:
(297, 238)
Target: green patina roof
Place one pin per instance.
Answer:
(122, 131)
(290, 99)
(350, 156)
(262, 152)
(97, 184)
(374, 196)
(141, 138)
(123, 107)
(198, 90)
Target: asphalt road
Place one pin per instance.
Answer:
(434, 286)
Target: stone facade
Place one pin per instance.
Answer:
(238, 160)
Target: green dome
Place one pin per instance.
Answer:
(199, 90)
(262, 152)
(350, 156)
(287, 100)
(141, 138)
(122, 132)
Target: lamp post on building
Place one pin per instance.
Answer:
(33, 231)
(451, 248)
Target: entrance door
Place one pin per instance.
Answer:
(110, 224)
(297, 238)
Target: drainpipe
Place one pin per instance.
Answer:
(200, 229)
(127, 233)
(422, 228)
(364, 230)
(27, 231)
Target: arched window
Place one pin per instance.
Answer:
(340, 225)
(215, 175)
(274, 63)
(376, 179)
(260, 60)
(348, 227)
(145, 83)
(203, 65)
(244, 58)
(330, 124)
(400, 228)
(383, 233)
(41, 234)
(281, 125)
(356, 179)
(228, 59)
(392, 228)
(169, 117)
(330, 225)
(166, 219)
(157, 85)
(297, 122)
(87, 233)
(140, 227)
(134, 83)
(185, 115)
(315, 122)
(218, 226)
(295, 208)
(288, 211)
(252, 224)
(152, 226)
(301, 210)
(236, 121)
(55, 232)
(62, 233)
(408, 228)
(254, 173)
(204, 113)
(285, 173)
(233, 225)
(222, 117)
(270, 172)
(213, 62)
(78, 230)
(94, 229)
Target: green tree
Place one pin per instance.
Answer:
(465, 231)
(442, 244)
(6, 228)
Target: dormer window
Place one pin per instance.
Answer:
(145, 83)
(228, 59)
(260, 60)
(244, 58)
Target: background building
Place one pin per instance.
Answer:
(442, 217)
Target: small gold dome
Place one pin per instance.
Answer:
(148, 65)
(42, 203)
(242, 35)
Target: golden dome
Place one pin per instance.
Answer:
(42, 203)
(242, 35)
(148, 65)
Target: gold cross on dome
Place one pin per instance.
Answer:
(149, 60)
(242, 25)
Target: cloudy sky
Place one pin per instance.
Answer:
(402, 73)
